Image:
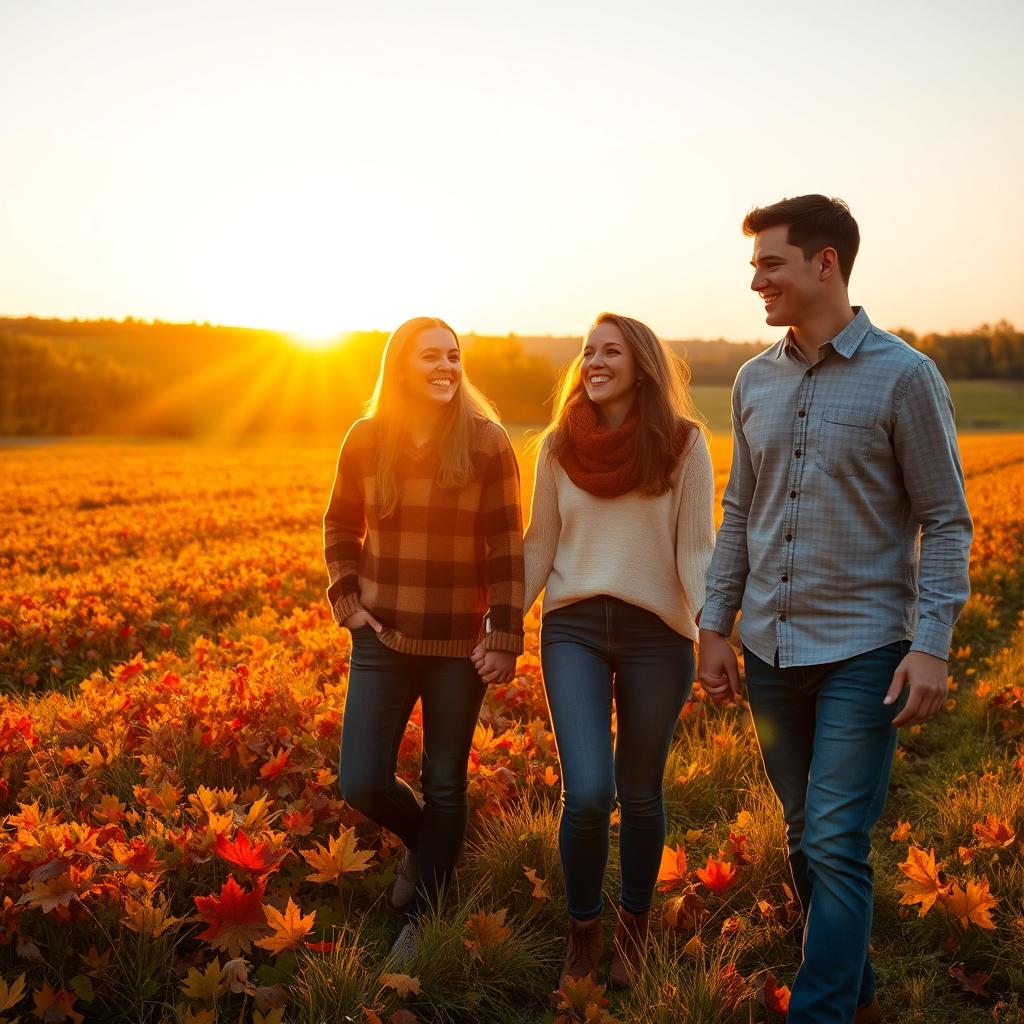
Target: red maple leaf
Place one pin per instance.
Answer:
(259, 859)
(235, 917)
(717, 875)
(774, 996)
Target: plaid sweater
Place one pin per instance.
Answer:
(445, 561)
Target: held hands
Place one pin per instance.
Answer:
(361, 617)
(926, 676)
(493, 666)
(719, 670)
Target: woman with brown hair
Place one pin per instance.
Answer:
(423, 544)
(620, 536)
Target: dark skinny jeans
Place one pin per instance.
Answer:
(383, 686)
(592, 652)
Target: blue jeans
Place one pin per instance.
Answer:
(827, 743)
(591, 652)
(383, 686)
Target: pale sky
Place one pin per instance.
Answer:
(322, 166)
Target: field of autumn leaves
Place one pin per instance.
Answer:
(173, 847)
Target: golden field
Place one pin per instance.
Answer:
(173, 846)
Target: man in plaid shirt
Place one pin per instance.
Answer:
(845, 544)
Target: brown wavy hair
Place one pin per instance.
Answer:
(388, 405)
(666, 409)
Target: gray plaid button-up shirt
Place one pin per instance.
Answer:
(846, 527)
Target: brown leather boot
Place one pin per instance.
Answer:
(630, 941)
(582, 949)
(869, 1013)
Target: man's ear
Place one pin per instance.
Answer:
(828, 263)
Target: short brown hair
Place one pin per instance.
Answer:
(814, 222)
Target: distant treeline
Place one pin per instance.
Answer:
(61, 377)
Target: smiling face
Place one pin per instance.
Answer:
(608, 369)
(789, 285)
(431, 367)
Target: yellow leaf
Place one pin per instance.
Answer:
(401, 983)
(923, 884)
(341, 856)
(205, 984)
(11, 995)
(673, 871)
(694, 947)
(290, 928)
(273, 1017)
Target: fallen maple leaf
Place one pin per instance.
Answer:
(718, 875)
(901, 833)
(235, 917)
(971, 906)
(995, 832)
(923, 884)
(485, 930)
(685, 911)
(540, 887)
(55, 1007)
(206, 984)
(673, 871)
(259, 859)
(774, 996)
(290, 928)
(341, 857)
(401, 983)
(11, 995)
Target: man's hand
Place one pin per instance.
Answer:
(926, 676)
(494, 666)
(361, 617)
(719, 671)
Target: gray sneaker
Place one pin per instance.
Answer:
(404, 886)
(404, 948)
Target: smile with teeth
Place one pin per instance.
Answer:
(599, 378)
(768, 299)
(442, 382)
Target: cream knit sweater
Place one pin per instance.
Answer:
(651, 551)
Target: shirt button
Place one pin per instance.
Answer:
(785, 578)
(792, 494)
(802, 412)
(789, 536)
(798, 453)
(782, 617)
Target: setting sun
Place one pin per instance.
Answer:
(315, 341)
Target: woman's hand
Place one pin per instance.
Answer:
(361, 617)
(493, 666)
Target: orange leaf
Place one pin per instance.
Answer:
(901, 833)
(235, 917)
(673, 871)
(685, 911)
(774, 996)
(994, 831)
(485, 930)
(401, 983)
(540, 887)
(717, 875)
(341, 857)
(290, 928)
(923, 884)
(971, 907)
(55, 1007)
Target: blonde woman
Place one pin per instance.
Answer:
(423, 544)
(620, 536)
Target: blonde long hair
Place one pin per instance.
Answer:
(389, 405)
(663, 397)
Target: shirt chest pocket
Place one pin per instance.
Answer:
(845, 440)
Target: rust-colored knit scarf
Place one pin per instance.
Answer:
(601, 460)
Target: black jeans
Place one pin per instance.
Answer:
(383, 687)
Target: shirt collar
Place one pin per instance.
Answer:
(846, 342)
